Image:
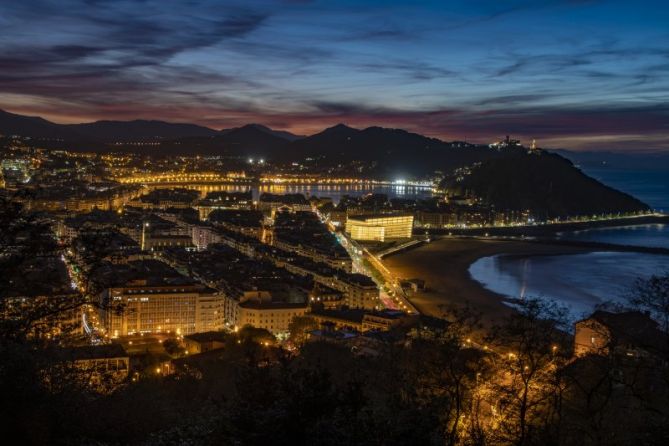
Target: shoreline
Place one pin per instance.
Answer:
(550, 229)
(444, 265)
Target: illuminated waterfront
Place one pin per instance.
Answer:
(320, 190)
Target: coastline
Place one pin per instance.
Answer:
(444, 265)
(548, 230)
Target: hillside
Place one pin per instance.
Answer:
(174, 138)
(138, 130)
(397, 152)
(387, 153)
(99, 131)
(263, 128)
(33, 126)
(547, 184)
(247, 141)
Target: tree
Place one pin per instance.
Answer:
(173, 347)
(299, 327)
(526, 391)
(261, 336)
(652, 295)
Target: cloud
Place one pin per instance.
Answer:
(473, 70)
(413, 70)
(103, 56)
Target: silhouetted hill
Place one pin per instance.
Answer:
(254, 137)
(249, 140)
(138, 130)
(396, 151)
(547, 184)
(175, 138)
(263, 128)
(33, 126)
(99, 131)
(334, 143)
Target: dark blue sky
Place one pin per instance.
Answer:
(575, 74)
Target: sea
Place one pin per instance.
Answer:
(649, 185)
(582, 282)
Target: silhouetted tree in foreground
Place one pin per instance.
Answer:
(651, 295)
(530, 350)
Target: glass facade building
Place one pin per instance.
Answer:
(380, 227)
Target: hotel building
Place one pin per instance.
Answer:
(179, 309)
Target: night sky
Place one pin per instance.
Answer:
(573, 74)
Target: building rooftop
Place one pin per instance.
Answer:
(237, 217)
(354, 315)
(234, 272)
(265, 304)
(335, 335)
(376, 216)
(179, 195)
(148, 272)
(208, 336)
(356, 279)
(305, 229)
(388, 314)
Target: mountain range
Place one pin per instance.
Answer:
(117, 131)
(509, 178)
(383, 151)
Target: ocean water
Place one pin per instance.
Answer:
(583, 281)
(578, 281)
(653, 235)
(648, 185)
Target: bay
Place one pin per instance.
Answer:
(578, 281)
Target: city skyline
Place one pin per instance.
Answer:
(349, 222)
(572, 74)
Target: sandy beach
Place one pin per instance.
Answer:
(444, 265)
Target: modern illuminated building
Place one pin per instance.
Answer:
(379, 227)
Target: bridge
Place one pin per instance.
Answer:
(185, 178)
(177, 178)
(398, 248)
(396, 292)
